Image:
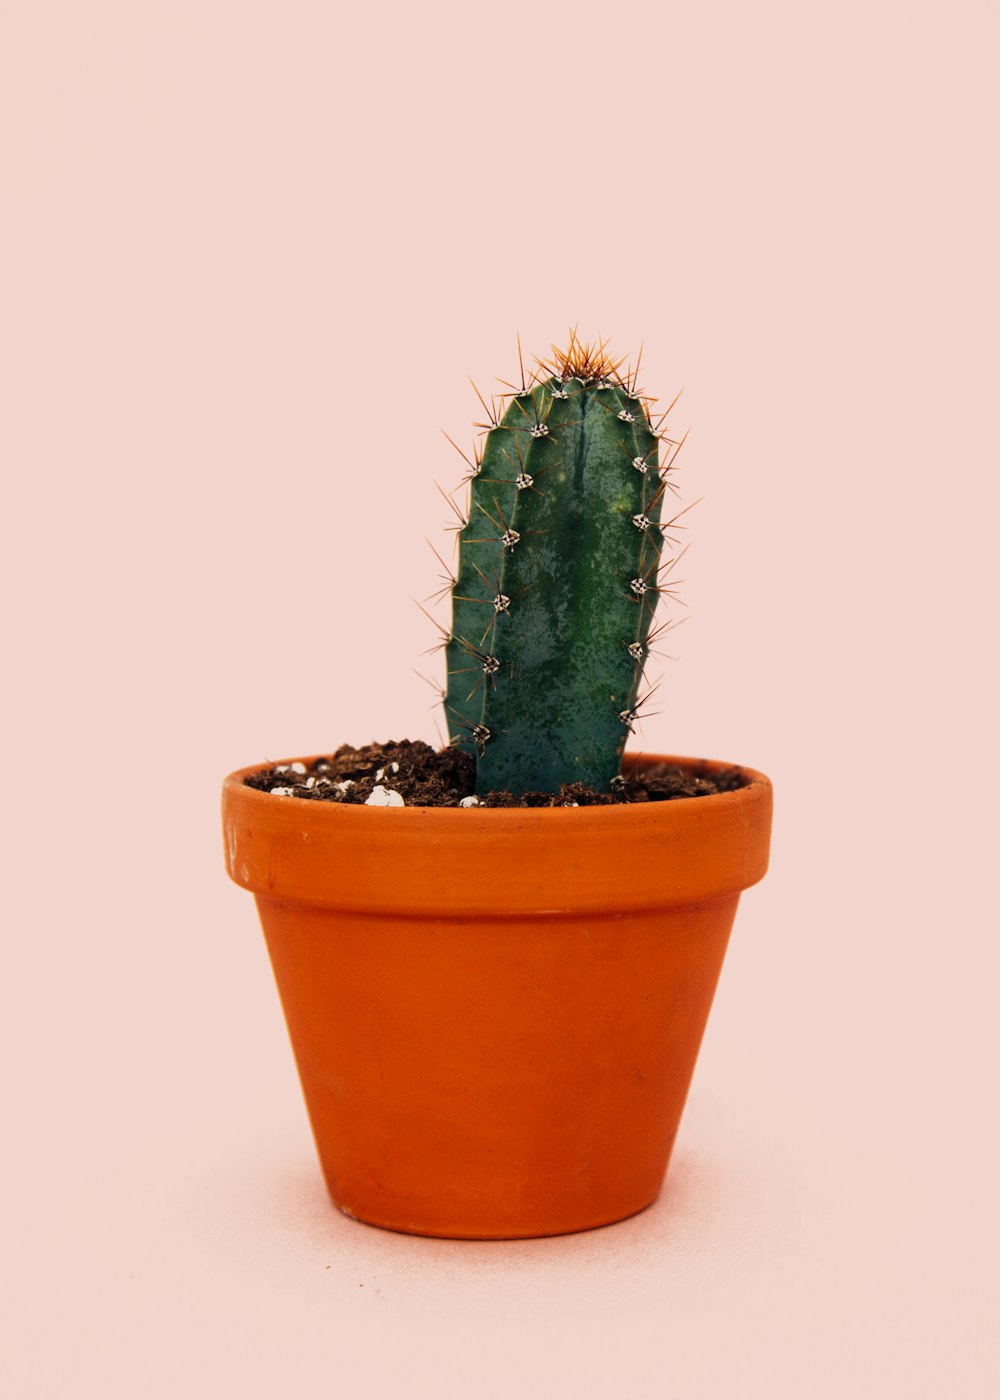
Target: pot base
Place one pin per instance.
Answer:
(397, 1228)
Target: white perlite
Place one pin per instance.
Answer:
(384, 797)
(347, 783)
(282, 792)
(469, 802)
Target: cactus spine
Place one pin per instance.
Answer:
(558, 577)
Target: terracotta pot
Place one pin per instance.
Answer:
(496, 1013)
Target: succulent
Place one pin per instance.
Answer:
(559, 572)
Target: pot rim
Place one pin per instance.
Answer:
(607, 859)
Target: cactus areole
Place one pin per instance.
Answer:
(561, 564)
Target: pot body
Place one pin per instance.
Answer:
(496, 1014)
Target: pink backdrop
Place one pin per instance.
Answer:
(252, 252)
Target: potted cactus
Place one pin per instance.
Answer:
(496, 1008)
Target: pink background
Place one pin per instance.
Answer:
(251, 254)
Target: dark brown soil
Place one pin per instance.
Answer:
(425, 777)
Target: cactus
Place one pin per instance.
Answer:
(560, 569)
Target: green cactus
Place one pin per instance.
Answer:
(558, 578)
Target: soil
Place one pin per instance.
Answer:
(424, 777)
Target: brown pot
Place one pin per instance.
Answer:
(496, 1013)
